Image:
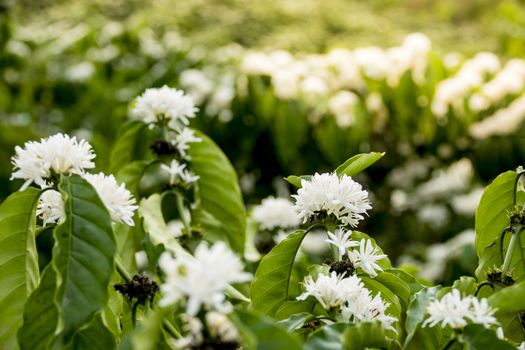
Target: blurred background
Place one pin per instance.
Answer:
(293, 87)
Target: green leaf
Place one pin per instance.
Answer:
(466, 285)
(131, 174)
(270, 286)
(218, 193)
(417, 310)
(122, 151)
(74, 286)
(41, 314)
(150, 210)
(358, 163)
(296, 321)
(412, 282)
(291, 307)
(148, 335)
(326, 338)
(396, 285)
(83, 256)
(367, 335)
(509, 302)
(477, 337)
(95, 336)
(296, 180)
(262, 333)
(491, 215)
(351, 167)
(19, 271)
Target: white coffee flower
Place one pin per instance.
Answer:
(193, 328)
(59, 153)
(342, 239)
(51, 208)
(165, 103)
(178, 173)
(175, 228)
(221, 327)
(117, 199)
(455, 311)
(182, 140)
(366, 257)
(365, 308)
(326, 289)
(351, 287)
(481, 312)
(326, 193)
(201, 279)
(275, 213)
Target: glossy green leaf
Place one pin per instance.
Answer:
(95, 336)
(148, 334)
(491, 219)
(477, 337)
(296, 321)
(328, 337)
(296, 180)
(131, 174)
(269, 288)
(41, 314)
(291, 307)
(262, 333)
(466, 285)
(83, 256)
(416, 311)
(491, 215)
(367, 335)
(358, 163)
(19, 271)
(218, 195)
(509, 302)
(412, 282)
(155, 226)
(396, 285)
(122, 151)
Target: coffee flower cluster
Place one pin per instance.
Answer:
(165, 104)
(61, 155)
(349, 297)
(328, 195)
(456, 311)
(171, 108)
(202, 278)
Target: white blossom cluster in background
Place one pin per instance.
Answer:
(60, 155)
(438, 255)
(456, 311)
(447, 191)
(334, 76)
(450, 92)
(211, 88)
(275, 213)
